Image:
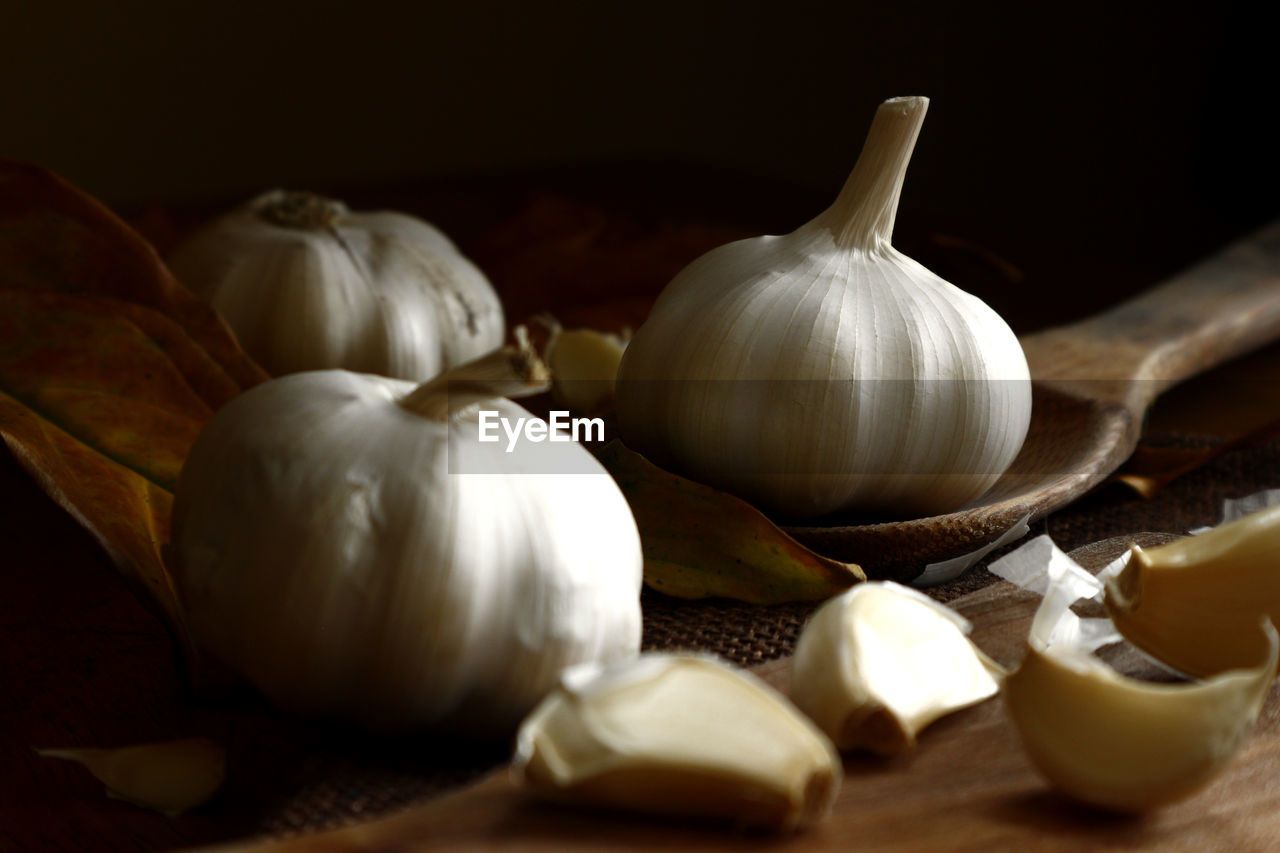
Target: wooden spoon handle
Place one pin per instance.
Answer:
(1219, 309)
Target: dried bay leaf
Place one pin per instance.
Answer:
(126, 513)
(699, 542)
(109, 368)
(55, 238)
(84, 364)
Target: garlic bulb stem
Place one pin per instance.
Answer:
(513, 371)
(301, 210)
(863, 214)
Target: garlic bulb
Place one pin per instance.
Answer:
(679, 735)
(823, 370)
(878, 663)
(306, 284)
(347, 543)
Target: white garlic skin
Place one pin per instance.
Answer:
(824, 370)
(168, 776)
(325, 550)
(377, 292)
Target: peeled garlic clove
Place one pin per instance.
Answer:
(823, 370)
(308, 284)
(877, 664)
(1129, 745)
(1117, 742)
(1194, 603)
(169, 777)
(584, 367)
(679, 735)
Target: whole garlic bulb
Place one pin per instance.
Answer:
(306, 284)
(825, 371)
(344, 542)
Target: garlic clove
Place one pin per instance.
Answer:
(876, 665)
(169, 777)
(1128, 745)
(1117, 742)
(1193, 604)
(584, 367)
(679, 735)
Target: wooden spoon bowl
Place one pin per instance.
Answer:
(1093, 382)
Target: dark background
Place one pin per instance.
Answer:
(1095, 146)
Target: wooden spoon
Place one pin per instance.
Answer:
(1093, 382)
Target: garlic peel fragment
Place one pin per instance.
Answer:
(679, 735)
(1117, 742)
(169, 777)
(1193, 603)
(877, 664)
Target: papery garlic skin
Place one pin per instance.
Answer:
(327, 550)
(1193, 603)
(170, 777)
(825, 371)
(307, 284)
(877, 664)
(679, 735)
